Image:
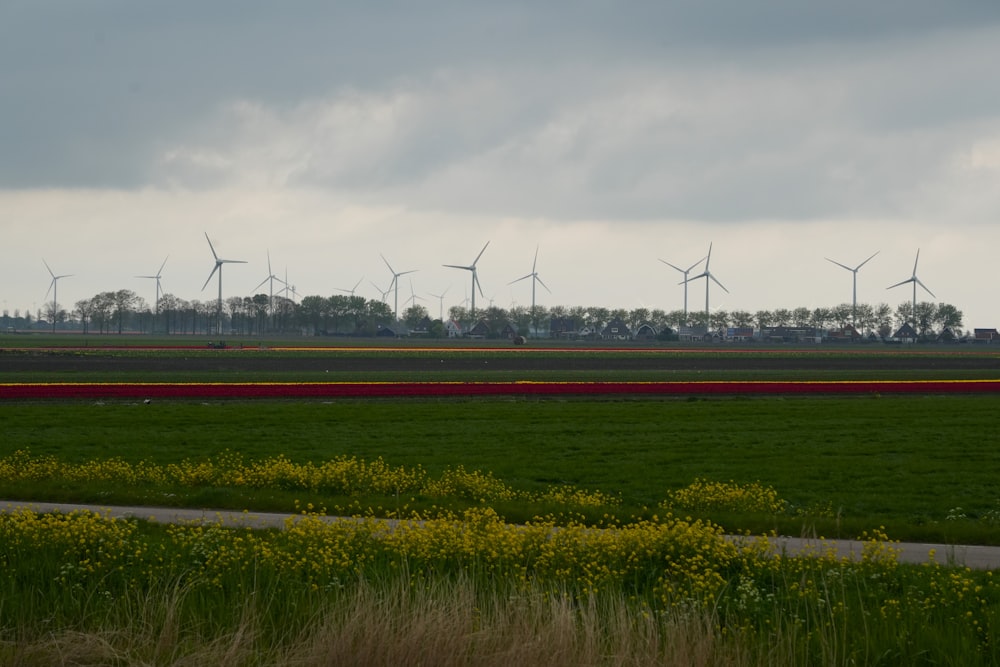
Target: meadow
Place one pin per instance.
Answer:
(534, 530)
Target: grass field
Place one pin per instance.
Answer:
(841, 464)
(469, 585)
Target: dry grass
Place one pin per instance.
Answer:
(446, 625)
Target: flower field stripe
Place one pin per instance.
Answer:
(181, 390)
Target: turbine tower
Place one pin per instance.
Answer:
(534, 279)
(685, 272)
(156, 306)
(475, 278)
(394, 286)
(218, 267)
(707, 275)
(916, 281)
(54, 288)
(854, 297)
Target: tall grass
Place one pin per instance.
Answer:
(79, 588)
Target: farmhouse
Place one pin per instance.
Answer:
(985, 336)
(616, 330)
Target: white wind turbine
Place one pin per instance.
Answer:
(383, 292)
(916, 281)
(413, 296)
(156, 306)
(475, 278)
(270, 279)
(218, 267)
(685, 282)
(54, 288)
(440, 298)
(394, 286)
(350, 292)
(707, 275)
(854, 298)
(534, 279)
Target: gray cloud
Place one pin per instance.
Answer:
(579, 110)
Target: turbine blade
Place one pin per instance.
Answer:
(211, 247)
(675, 267)
(261, 283)
(475, 279)
(456, 266)
(534, 264)
(696, 264)
(387, 263)
(214, 269)
(716, 281)
(867, 260)
(480, 253)
(843, 266)
(917, 280)
(49, 269)
(901, 282)
(543, 284)
(915, 263)
(520, 279)
(162, 265)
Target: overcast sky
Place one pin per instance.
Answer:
(609, 135)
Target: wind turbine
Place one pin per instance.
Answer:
(707, 275)
(270, 279)
(156, 306)
(440, 298)
(475, 278)
(54, 288)
(854, 298)
(413, 296)
(534, 279)
(351, 291)
(218, 267)
(289, 287)
(916, 281)
(394, 285)
(685, 272)
(383, 292)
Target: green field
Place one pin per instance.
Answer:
(843, 464)
(473, 583)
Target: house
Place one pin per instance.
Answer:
(453, 329)
(690, 334)
(847, 334)
(616, 330)
(947, 336)
(985, 335)
(646, 331)
(422, 327)
(509, 331)
(562, 327)
(739, 334)
(792, 335)
(479, 330)
(905, 334)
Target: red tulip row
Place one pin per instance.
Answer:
(138, 390)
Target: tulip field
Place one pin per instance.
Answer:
(534, 506)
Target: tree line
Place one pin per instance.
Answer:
(124, 310)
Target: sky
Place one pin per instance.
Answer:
(607, 136)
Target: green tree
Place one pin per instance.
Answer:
(948, 316)
(313, 311)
